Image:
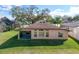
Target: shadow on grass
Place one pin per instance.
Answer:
(14, 42)
(75, 39)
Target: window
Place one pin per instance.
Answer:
(42, 22)
(41, 33)
(41, 30)
(35, 33)
(60, 34)
(47, 34)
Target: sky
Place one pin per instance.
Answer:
(61, 10)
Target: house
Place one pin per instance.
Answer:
(43, 30)
(2, 27)
(74, 28)
(5, 24)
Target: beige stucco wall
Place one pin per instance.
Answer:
(53, 34)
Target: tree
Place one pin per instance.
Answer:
(43, 15)
(67, 19)
(76, 18)
(57, 20)
(29, 15)
(17, 14)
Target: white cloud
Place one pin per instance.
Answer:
(74, 10)
(6, 7)
(71, 12)
(18, 5)
(57, 12)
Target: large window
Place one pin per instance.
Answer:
(35, 33)
(60, 34)
(41, 33)
(47, 34)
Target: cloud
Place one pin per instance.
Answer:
(71, 12)
(57, 12)
(5, 7)
(74, 10)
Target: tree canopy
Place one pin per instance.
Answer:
(30, 14)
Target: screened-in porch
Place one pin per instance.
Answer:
(25, 34)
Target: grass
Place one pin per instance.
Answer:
(7, 35)
(13, 45)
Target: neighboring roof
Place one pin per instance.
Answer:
(43, 26)
(71, 24)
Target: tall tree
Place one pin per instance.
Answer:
(43, 15)
(57, 20)
(29, 15)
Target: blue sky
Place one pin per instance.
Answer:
(53, 7)
(70, 10)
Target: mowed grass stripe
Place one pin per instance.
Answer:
(6, 36)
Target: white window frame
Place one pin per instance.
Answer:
(35, 33)
(41, 33)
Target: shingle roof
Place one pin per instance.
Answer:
(43, 26)
(72, 24)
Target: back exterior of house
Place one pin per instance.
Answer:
(43, 31)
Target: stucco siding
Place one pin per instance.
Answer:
(53, 34)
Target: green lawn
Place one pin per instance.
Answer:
(7, 35)
(13, 45)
